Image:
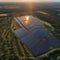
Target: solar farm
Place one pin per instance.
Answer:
(27, 40)
(35, 35)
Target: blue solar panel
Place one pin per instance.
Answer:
(39, 40)
(33, 23)
(21, 32)
(54, 42)
(35, 42)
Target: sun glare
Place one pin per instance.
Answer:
(27, 20)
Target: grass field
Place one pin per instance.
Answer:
(11, 48)
(3, 15)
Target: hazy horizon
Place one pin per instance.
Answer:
(29, 0)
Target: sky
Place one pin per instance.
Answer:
(29, 0)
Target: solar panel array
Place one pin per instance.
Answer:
(36, 36)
